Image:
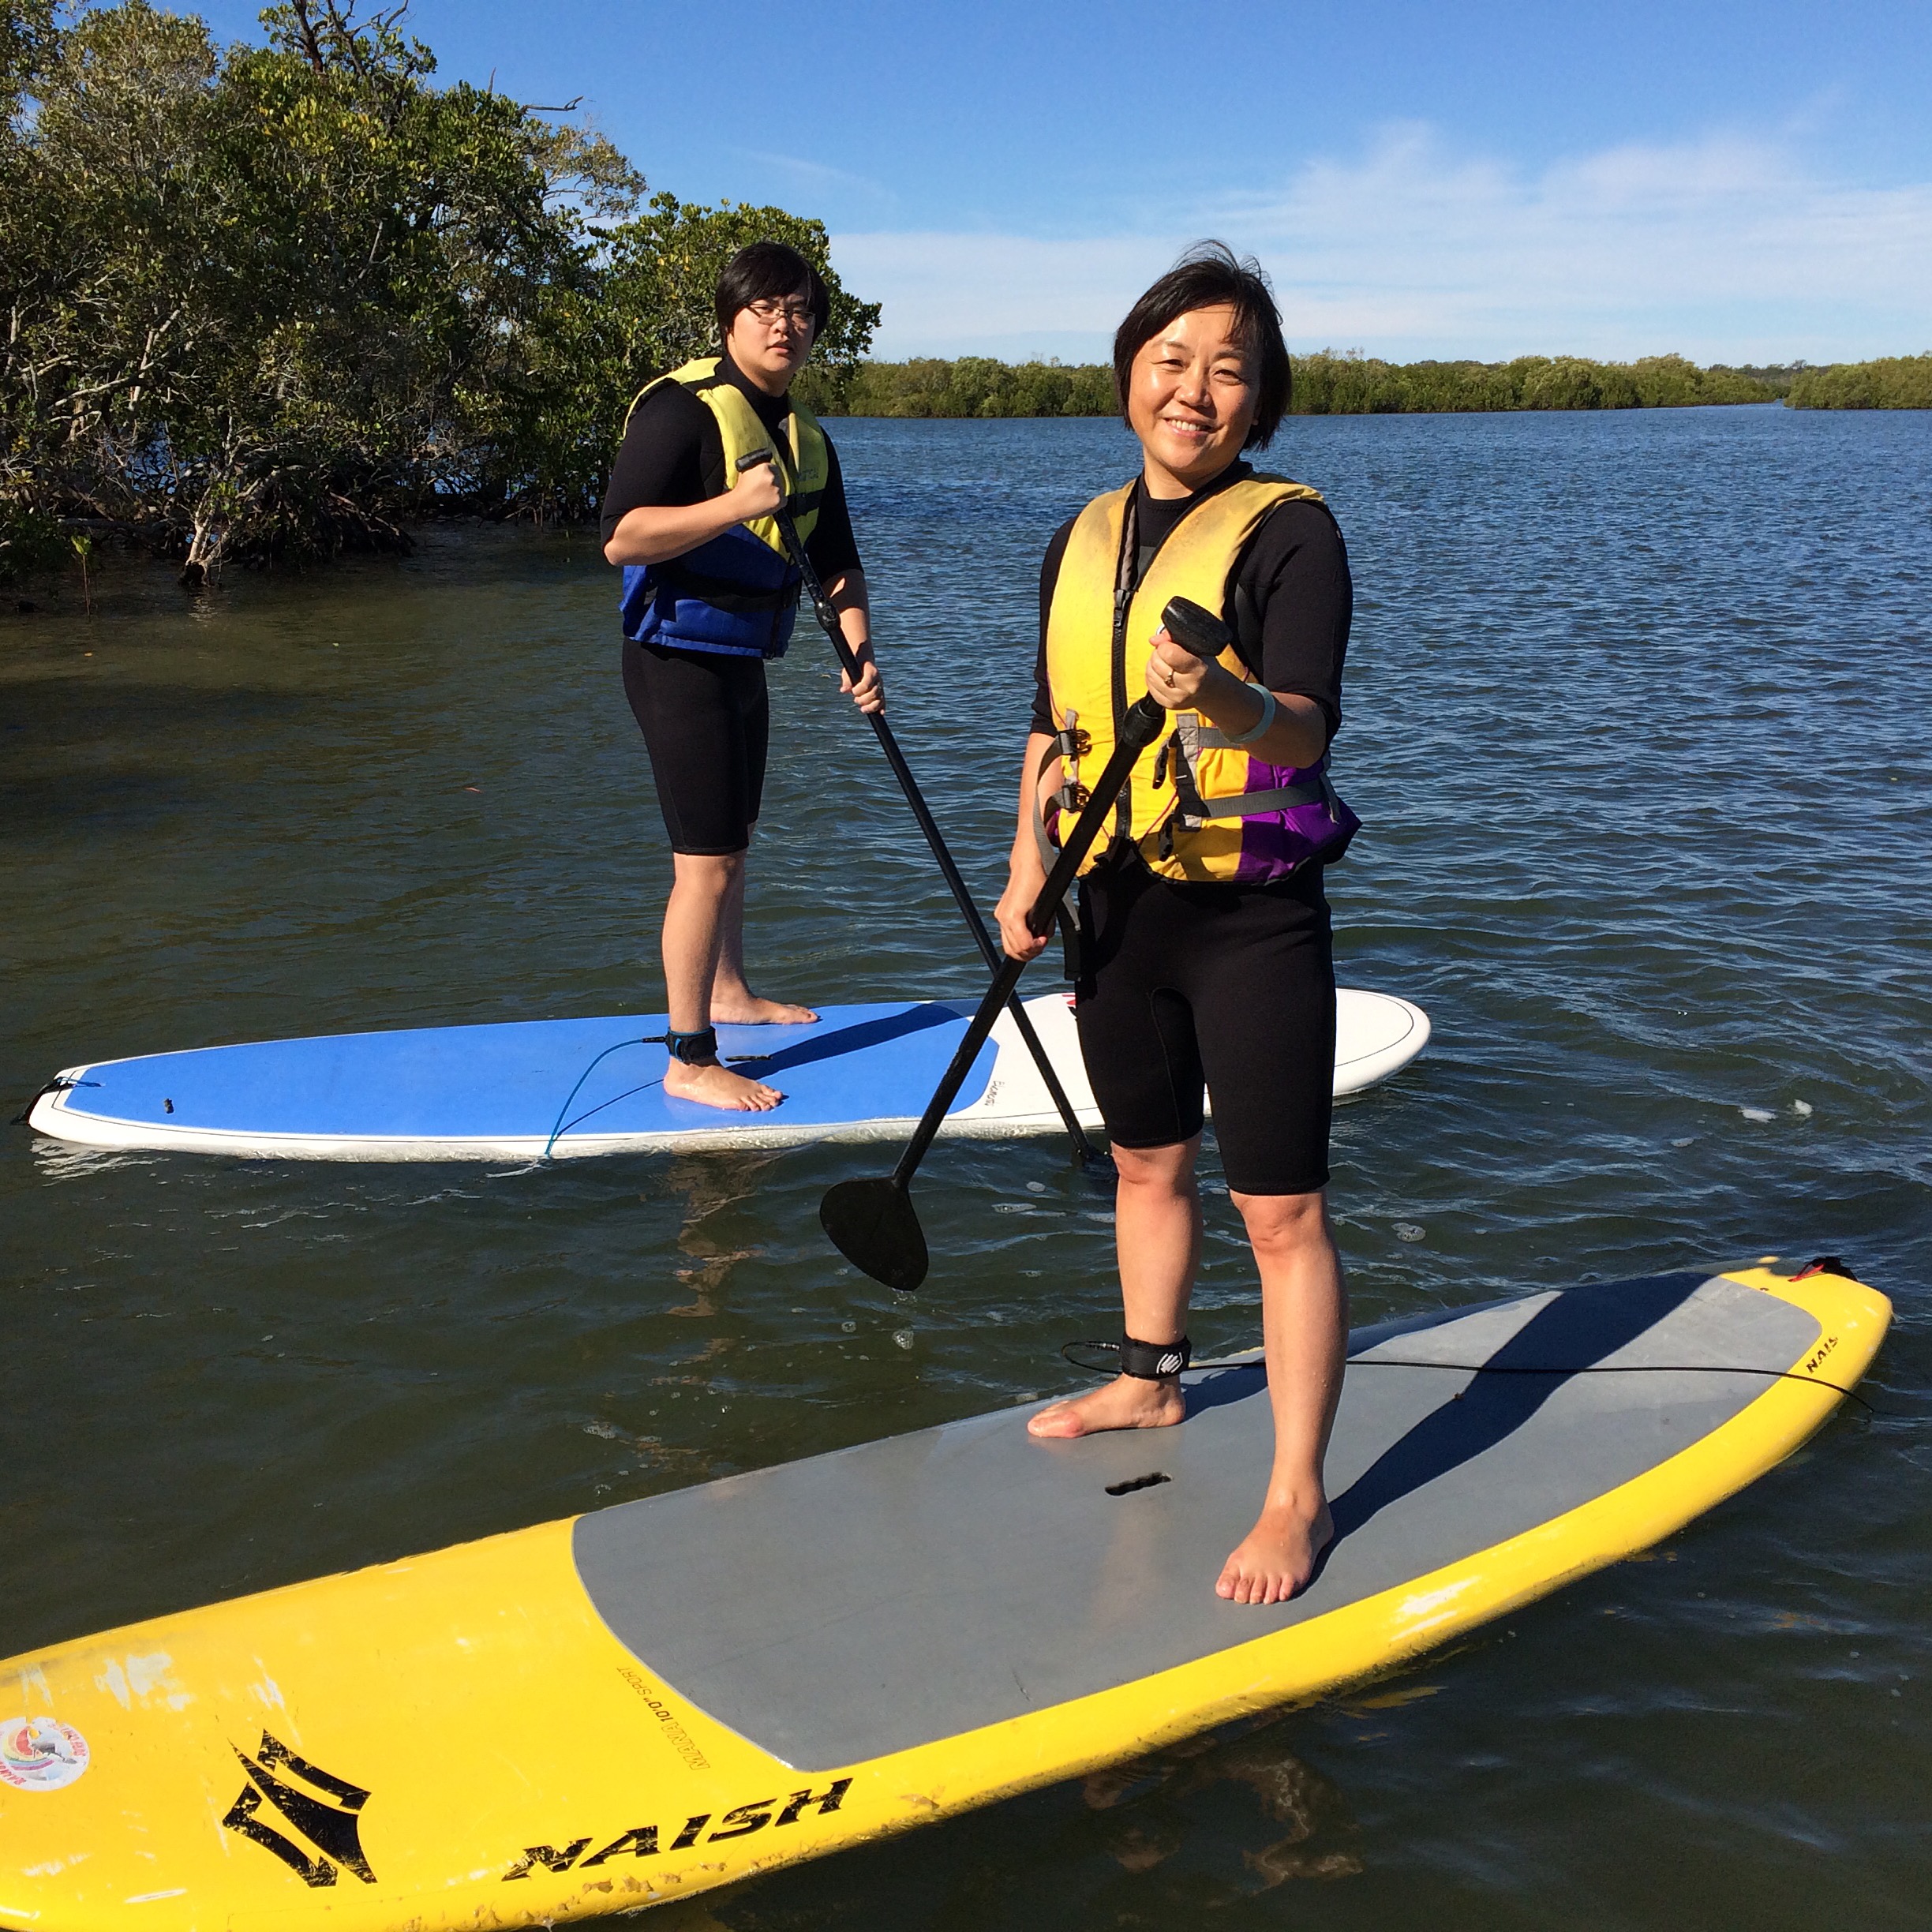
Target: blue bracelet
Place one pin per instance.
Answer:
(1269, 707)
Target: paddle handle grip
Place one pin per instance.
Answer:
(1200, 630)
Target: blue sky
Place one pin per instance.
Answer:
(1736, 182)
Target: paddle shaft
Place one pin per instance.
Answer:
(827, 618)
(1142, 725)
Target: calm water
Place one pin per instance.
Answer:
(1637, 715)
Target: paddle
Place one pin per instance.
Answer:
(1085, 1150)
(872, 1222)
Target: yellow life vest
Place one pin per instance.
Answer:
(804, 465)
(1197, 807)
(738, 594)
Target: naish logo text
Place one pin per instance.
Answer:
(331, 1829)
(641, 1840)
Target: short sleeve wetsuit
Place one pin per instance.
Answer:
(1216, 985)
(705, 716)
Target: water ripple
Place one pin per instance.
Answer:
(1634, 715)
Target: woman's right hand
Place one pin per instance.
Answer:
(756, 493)
(1023, 887)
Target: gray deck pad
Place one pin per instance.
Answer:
(840, 1609)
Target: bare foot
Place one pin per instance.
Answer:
(1128, 1402)
(1278, 1556)
(717, 1085)
(752, 1011)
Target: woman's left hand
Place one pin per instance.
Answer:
(1174, 675)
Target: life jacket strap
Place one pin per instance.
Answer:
(1050, 759)
(1247, 804)
(1069, 798)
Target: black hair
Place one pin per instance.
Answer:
(768, 271)
(1209, 275)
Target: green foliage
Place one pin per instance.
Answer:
(32, 542)
(972, 386)
(1775, 376)
(28, 38)
(661, 269)
(1892, 382)
(646, 309)
(1329, 384)
(1325, 384)
(278, 302)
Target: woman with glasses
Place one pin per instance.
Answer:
(709, 595)
(1205, 941)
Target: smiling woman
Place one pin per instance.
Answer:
(1200, 320)
(1203, 934)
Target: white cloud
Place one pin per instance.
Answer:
(1727, 248)
(815, 176)
(953, 294)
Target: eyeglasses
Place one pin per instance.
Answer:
(793, 315)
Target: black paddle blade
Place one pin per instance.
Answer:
(873, 1224)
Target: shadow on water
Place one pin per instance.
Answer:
(1676, 1011)
(78, 752)
(57, 713)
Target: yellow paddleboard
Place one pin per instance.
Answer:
(643, 1703)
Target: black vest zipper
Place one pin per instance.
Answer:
(1126, 581)
(1130, 572)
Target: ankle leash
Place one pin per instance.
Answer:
(1147, 1361)
(698, 1048)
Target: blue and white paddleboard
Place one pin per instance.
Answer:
(526, 1089)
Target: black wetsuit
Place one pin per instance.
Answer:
(706, 715)
(1230, 986)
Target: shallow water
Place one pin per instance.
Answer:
(1637, 711)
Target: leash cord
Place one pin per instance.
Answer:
(1477, 1368)
(563, 1112)
(649, 1039)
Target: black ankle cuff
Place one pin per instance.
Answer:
(698, 1048)
(1155, 1362)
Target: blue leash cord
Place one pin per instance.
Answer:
(647, 1039)
(563, 1112)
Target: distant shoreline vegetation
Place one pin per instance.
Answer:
(1891, 382)
(1347, 384)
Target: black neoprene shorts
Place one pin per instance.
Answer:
(1226, 986)
(706, 718)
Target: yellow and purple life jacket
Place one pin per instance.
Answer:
(1195, 806)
